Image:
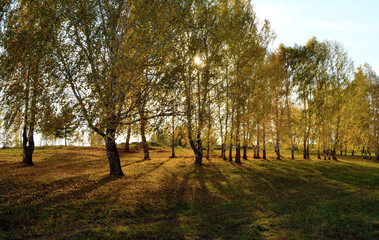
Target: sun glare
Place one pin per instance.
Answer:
(197, 60)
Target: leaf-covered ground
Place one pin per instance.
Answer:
(69, 195)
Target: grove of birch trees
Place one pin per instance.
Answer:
(195, 73)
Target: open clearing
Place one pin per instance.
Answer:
(69, 195)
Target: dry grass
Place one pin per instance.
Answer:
(69, 195)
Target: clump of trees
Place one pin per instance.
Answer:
(187, 72)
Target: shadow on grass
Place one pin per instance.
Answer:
(135, 162)
(313, 201)
(219, 200)
(200, 204)
(236, 201)
(155, 166)
(197, 204)
(22, 214)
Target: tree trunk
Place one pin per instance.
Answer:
(173, 138)
(199, 152)
(292, 149)
(336, 140)
(231, 140)
(28, 137)
(264, 141)
(65, 137)
(224, 151)
(255, 152)
(193, 147)
(277, 146)
(377, 155)
(226, 118)
(28, 146)
(318, 154)
(238, 141)
(208, 140)
(258, 142)
(334, 154)
(231, 152)
(238, 153)
(305, 148)
(208, 149)
(199, 157)
(277, 150)
(127, 140)
(352, 153)
(221, 133)
(112, 153)
(293, 152)
(143, 136)
(173, 150)
(197, 149)
(244, 144)
(209, 126)
(345, 150)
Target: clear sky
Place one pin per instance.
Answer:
(354, 23)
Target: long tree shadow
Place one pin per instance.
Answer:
(315, 199)
(199, 204)
(135, 162)
(21, 214)
(154, 168)
(214, 201)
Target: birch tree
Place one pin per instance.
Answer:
(26, 41)
(103, 48)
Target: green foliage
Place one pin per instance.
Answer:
(26, 44)
(62, 125)
(362, 109)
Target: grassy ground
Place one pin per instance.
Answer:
(69, 195)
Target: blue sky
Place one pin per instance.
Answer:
(355, 24)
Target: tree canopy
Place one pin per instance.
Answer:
(202, 67)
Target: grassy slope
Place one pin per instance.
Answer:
(68, 195)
